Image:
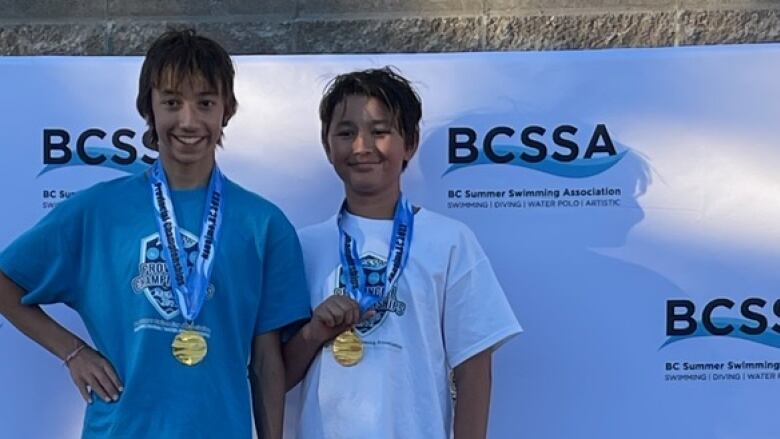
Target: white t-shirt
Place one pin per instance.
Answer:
(446, 307)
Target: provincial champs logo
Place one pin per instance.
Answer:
(375, 269)
(153, 279)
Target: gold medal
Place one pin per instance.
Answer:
(189, 347)
(348, 349)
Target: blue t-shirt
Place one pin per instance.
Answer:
(100, 253)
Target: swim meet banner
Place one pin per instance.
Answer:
(629, 201)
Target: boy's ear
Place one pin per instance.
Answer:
(411, 150)
(326, 147)
(226, 118)
(147, 136)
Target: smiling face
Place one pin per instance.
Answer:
(365, 147)
(188, 120)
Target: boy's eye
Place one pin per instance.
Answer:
(381, 132)
(343, 133)
(169, 102)
(207, 103)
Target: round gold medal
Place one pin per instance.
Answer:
(189, 347)
(348, 348)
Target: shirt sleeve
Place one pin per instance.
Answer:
(477, 315)
(43, 260)
(284, 295)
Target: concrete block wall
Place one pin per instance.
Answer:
(126, 27)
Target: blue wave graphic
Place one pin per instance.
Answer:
(579, 168)
(769, 338)
(134, 168)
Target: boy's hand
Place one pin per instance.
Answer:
(334, 316)
(90, 370)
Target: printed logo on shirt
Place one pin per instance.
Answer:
(375, 269)
(153, 280)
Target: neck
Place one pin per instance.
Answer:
(374, 206)
(188, 177)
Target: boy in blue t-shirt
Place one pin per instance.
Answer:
(183, 279)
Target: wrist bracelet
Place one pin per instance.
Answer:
(73, 354)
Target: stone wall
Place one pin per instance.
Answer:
(125, 27)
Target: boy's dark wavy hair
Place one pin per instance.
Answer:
(385, 84)
(178, 56)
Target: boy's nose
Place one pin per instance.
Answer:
(187, 116)
(363, 143)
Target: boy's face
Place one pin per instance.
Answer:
(364, 146)
(188, 121)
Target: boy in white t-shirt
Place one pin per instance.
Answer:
(404, 298)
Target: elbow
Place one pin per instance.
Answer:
(290, 382)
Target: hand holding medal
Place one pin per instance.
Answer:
(335, 317)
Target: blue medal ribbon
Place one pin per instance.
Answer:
(189, 285)
(398, 255)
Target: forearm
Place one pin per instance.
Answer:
(473, 380)
(298, 355)
(266, 376)
(33, 322)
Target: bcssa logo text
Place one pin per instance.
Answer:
(534, 149)
(753, 319)
(94, 147)
(680, 321)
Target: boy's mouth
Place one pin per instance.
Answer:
(188, 140)
(366, 159)
(364, 166)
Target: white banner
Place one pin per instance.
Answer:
(628, 200)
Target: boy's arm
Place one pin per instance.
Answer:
(298, 355)
(266, 377)
(332, 317)
(473, 379)
(87, 367)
